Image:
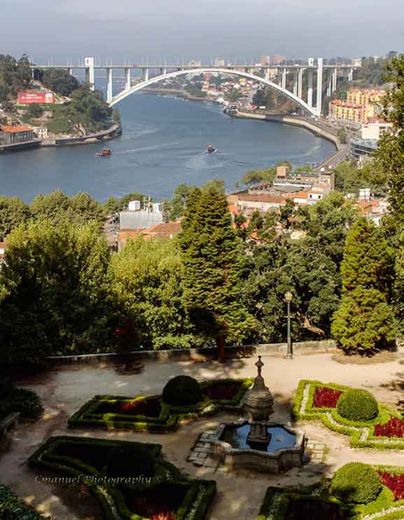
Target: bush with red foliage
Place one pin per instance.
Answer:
(325, 397)
(393, 482)
(393, 428)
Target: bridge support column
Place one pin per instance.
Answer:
(146, 74)
(127, 78)
(350, 75)
(283, 80)
(90, 76)
(310, 87)
(300, 84)
(319, 97)
(329, 87)
(71, 71)
(334, 80)
(109, 84)
(295, 84)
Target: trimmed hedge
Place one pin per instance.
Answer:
(356, 483)
(277, 500)
(357, 405)
(14, 508)
(182, 391)
(167, 420)
(72, 456)
(361, 434)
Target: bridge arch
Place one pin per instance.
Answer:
(143, 84)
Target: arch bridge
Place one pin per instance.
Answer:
(272, 76)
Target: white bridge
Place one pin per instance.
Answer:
(273, 76)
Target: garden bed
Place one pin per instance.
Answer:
(318, 401)
(152, 414)
(131, 480)
(317, 502)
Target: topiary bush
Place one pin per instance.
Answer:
(356, 483)
(357, 405)
(182, 390)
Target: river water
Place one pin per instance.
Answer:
(163, 144)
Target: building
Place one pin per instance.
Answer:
(302, 188)
(164, 230)
(374, 130)
(10, 135)
(41, 132)
(360, 149)
(361, 105)
(219, 62)
(277, 59)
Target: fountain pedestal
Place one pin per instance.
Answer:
(258, 405)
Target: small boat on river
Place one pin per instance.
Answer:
(211, 148)
(105, 152)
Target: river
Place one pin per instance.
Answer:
(163, 144)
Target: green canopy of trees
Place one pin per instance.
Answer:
(214, 267)
(364, 322)
(55, 295)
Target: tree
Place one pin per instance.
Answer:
(58, 208)
(58, 80)
(13, 212)
(34, 111)
(55, 296)
(148, 282)
(390, 152)
(214, 266)
(364, 322)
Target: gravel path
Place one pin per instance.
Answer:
(64, 390)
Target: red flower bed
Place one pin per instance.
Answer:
(393, 482)
(393, 428)
(325, 397)
(222, 391)
(147, 407)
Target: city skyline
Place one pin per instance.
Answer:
(204, 29)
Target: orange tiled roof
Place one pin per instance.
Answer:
(15, 129)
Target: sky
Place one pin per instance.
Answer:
(176, 30)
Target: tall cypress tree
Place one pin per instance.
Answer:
(214, 268)
(364, 322)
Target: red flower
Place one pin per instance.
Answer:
(163, 515)
(393, 428)
(393, 482)
(325, 397)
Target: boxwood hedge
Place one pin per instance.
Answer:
(170, 414)
(361, 433)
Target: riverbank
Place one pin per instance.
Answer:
(315, 126)
(176, 92)
(105, 135)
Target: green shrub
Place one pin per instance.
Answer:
(25, 402)
(357, 405)
(356, 483)
(182, 390)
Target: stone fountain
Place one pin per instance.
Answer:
(254, 442)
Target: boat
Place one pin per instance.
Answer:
(105, 152)
(211, 148)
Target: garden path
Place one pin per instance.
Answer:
(64, 390)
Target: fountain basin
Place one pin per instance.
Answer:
(284, 450)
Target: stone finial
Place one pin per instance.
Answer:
(259, 364)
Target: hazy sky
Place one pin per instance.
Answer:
(131, 29)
